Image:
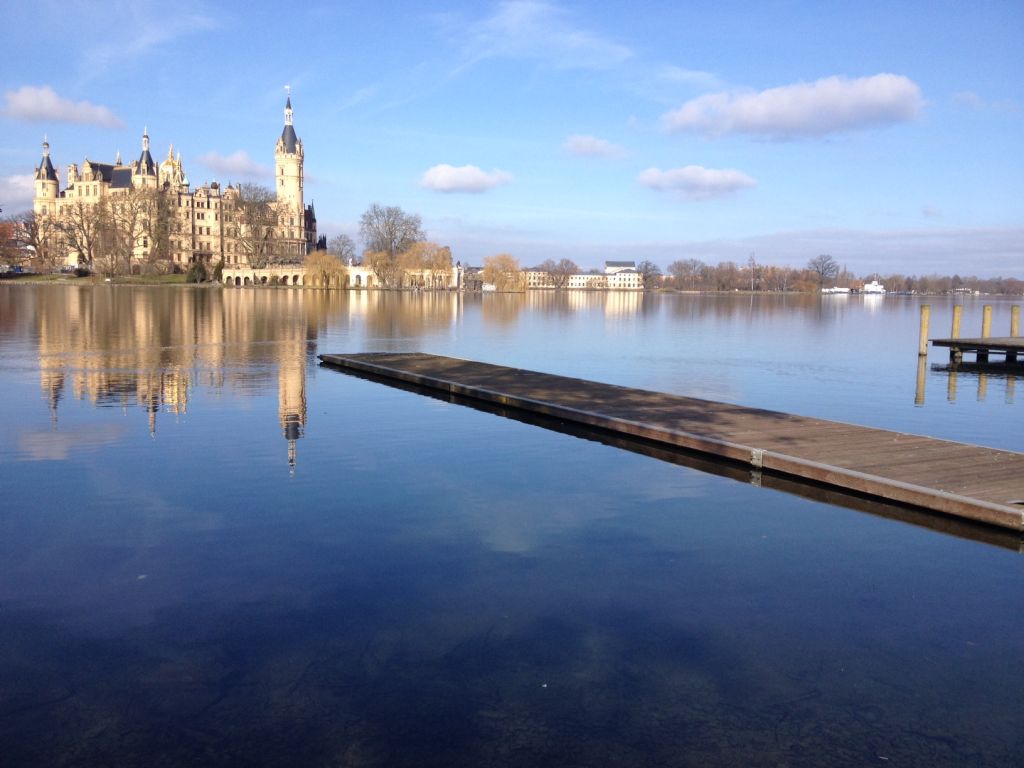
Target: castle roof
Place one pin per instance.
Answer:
(105, 170)
(121, 178)
(289, 138)
(45, 171)
(146, 165)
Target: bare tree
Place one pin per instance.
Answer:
(685, 272)
(503, 272)
(389, 230)
(387, 270)
(126, 225)
(650, 272)
(343, 247)
(254, 210)
(427, 265)
(159, 226)
(80, 225)
(559, 272)
(825, 267)
(35, 235)
(324, 270)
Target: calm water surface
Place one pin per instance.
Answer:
(215, 552)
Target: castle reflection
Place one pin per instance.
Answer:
(149, 348)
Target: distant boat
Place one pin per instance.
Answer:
(874, 287)
(833, 289)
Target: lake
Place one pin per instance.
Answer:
(214, 551)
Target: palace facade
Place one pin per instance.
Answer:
(179, 225)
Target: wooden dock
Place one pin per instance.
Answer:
(1011, 347)
(970, 482)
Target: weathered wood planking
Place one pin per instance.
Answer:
(909, 469)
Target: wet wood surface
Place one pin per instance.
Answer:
(966, 481)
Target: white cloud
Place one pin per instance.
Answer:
(16, 192)
(236, 165)
(43, 104)
(464, 178)
(829, 105)
(695, 182)
(591, 146)
(530, 29)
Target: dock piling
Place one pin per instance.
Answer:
(922, 343)
(986, 331)
(954, 333)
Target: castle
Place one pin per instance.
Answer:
(176, 225)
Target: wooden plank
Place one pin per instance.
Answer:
(907, 469)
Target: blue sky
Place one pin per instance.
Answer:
(889, 135)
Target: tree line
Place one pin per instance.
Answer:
(136, 230)
(821, 271)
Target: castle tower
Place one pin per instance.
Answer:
(46, 184)
(144, 173)
(288, 172)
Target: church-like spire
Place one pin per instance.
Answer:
(288, 134)
(146, 166)
(45, 171)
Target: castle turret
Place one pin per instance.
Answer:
(288, 170)
(144, 172)
(47, 184)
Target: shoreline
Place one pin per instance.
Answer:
(180, 280)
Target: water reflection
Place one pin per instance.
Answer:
(438, 586)
(1007, 375)
(739, 471)
(149, 348)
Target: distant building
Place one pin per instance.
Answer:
(617, 276)
(201, 224)
(873, 287)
